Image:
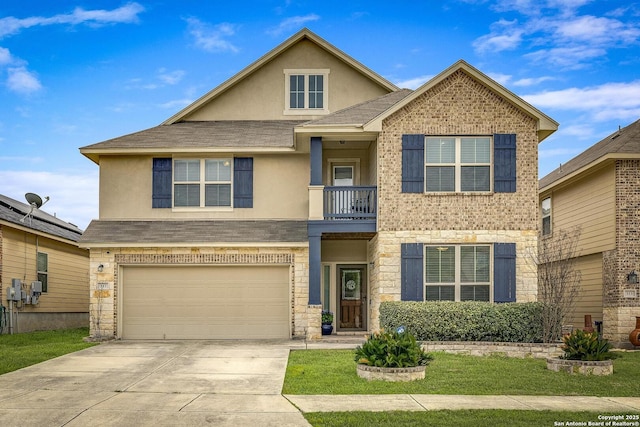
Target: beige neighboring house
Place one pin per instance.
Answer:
(599, 190)
(38, 247)
(306, 182)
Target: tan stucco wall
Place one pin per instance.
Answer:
(104, 309)
(280, 190)
(68, 282)
(261, 95)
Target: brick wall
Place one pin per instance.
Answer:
(620, 310)
(459, 105)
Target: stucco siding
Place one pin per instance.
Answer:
(261, 95)
(279, 190)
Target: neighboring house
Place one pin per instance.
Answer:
(307, 181)
(38, 247)
(599, 191)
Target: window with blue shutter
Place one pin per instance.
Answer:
(504, 160)
(504, 272)
(243, 182)
(413, 163)
(161, 193)
(411, 271)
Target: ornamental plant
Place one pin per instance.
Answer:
(327, 317)
(397, 349)
(588, 346)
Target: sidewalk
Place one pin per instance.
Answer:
(433, 402)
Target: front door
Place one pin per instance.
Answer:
(352, 297)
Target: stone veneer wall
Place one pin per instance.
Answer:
(386, 246)
(104, 285)
(619, 313)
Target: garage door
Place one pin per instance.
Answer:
(205, 302)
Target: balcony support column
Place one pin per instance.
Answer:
(316, 160)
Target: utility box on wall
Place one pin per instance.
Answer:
(14, 292)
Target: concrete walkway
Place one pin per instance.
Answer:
(221, 383)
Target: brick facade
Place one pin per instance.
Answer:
(104, 285)
(619, 310)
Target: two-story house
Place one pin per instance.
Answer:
(309, 182)
(597, 191)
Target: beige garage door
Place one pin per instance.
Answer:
(205, 302)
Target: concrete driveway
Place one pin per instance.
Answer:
(148, 383)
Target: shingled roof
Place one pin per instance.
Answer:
(361, 113)
(14, 212)
(622, 143)
(205, 135)
(193, 232)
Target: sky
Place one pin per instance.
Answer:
(74, 73)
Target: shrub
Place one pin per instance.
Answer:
(398, 349)
(580, 345)
(465, 321)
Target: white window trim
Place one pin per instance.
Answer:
(39, 272)
(458, 283)
(325, 94)
(202, 184)
(458, 164)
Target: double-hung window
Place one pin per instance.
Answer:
(546, 216)
(202, 182)
(43, 270)
(306, 91)
(457, 272)
(458, 164)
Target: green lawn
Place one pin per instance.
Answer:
(21, 350)
(334, 372)
(494, 418)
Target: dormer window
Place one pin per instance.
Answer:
(306, 91)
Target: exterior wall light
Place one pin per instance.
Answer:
(632, 278)
(100, 268)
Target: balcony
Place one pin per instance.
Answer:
(350, 203)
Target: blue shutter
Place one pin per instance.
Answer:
(411, 271)
(413, 163)
(243, 182)
(161, 193)
(504, 272)
(504, 163)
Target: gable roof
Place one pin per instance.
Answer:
(621, 144)
(13, 212)
(200, 136)
(300, 35)
(546, 125)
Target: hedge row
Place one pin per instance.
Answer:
(465, 321)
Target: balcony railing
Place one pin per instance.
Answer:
(350, 202)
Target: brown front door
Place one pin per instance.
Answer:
(352, 295)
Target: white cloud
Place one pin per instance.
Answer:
(414, 83)
(532, 81)
(603, 102)
(568, 58)
(170, 77)
(503, 79)
(555, 152)
(504, 35)
(178, 103)
(5, 56)
(73, 196)
(211, 38)
(22, 80)
(97, 17)
(292, 23)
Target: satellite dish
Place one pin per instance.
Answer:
(34, 199)
(35, 202)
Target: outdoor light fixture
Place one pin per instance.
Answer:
(100, 268)
(632, 278)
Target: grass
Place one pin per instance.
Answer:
(334, 372)
(21, 350)
(491, 417)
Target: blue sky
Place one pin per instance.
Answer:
(73, 73)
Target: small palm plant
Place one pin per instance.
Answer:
(588, 346)
(397, 349)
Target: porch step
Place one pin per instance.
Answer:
(345, 338)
